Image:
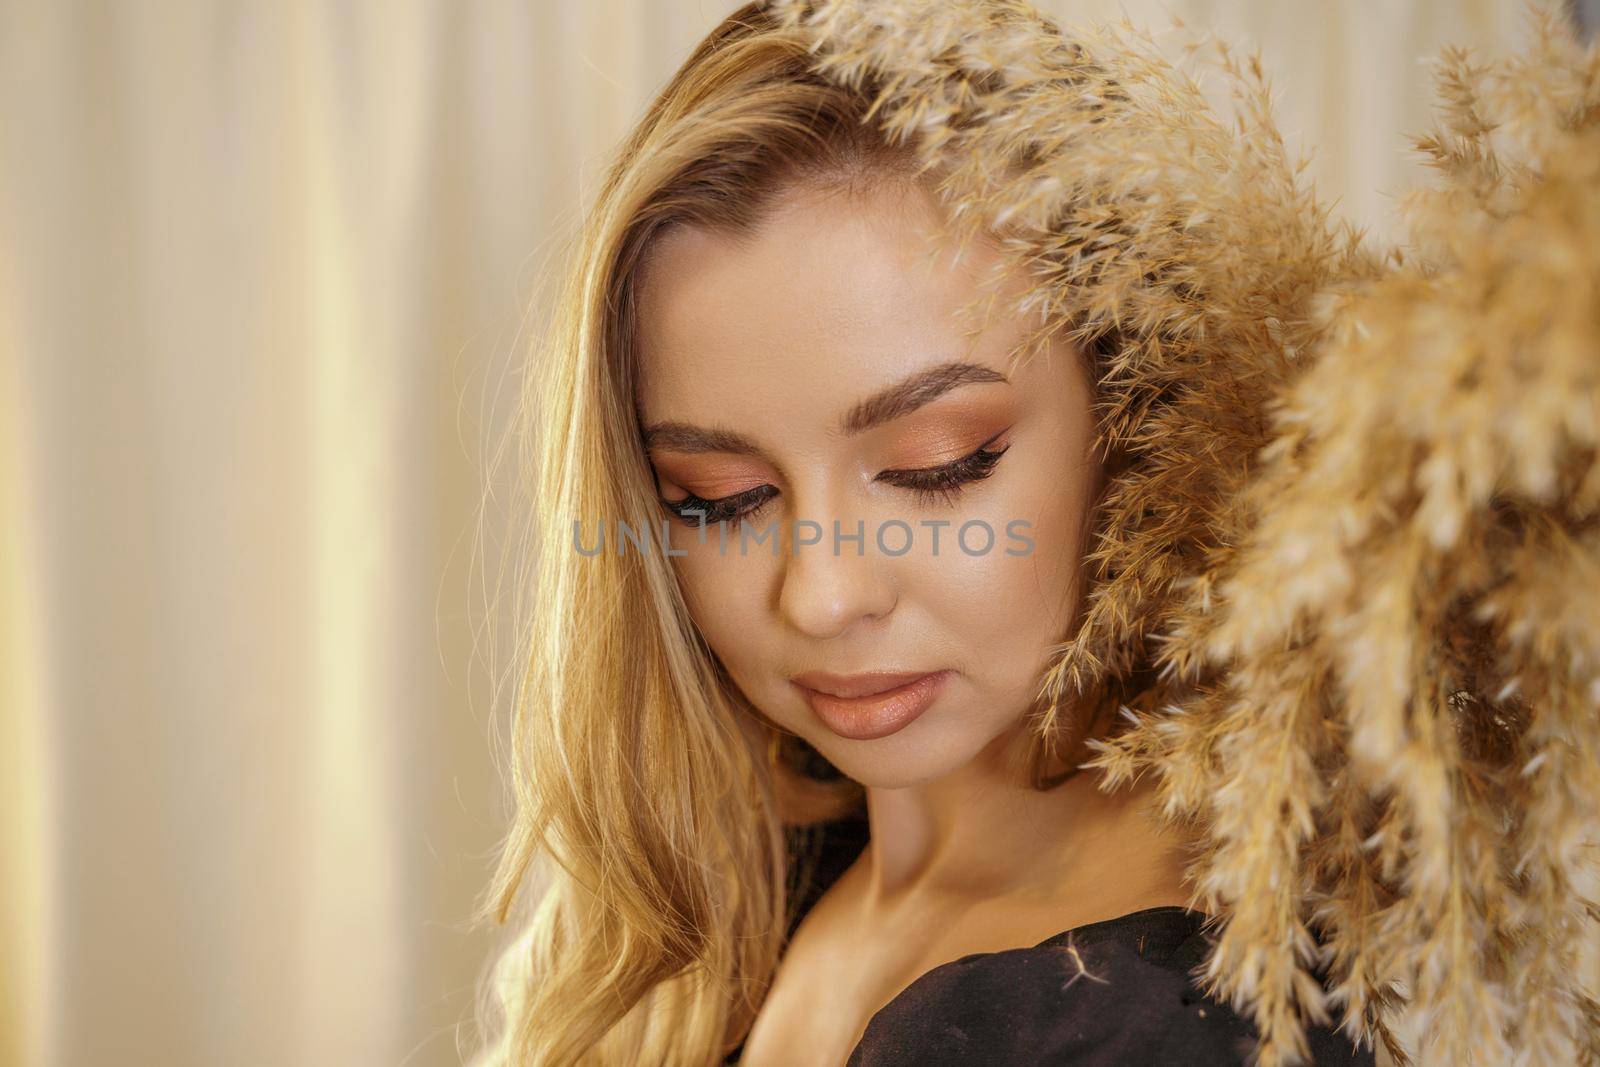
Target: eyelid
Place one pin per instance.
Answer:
(705, 492)
(983, 447)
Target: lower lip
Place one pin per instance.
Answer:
(879, 715)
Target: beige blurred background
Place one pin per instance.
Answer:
(266, 274)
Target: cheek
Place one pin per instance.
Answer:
(726, 597)
(1039, 516)
(1004, 612)
(1008, 610)
(1055, 510)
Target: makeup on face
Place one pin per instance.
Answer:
(865, 707)
(814, 370)
(931, 452)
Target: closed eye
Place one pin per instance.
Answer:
(944, 482)
(940, 484)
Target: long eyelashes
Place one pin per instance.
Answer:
(944, 483)
(941, 484)
(695, 511)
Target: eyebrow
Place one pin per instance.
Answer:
(887, 404)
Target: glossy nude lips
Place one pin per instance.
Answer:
(863, 707)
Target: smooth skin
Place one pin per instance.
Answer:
(756, 356)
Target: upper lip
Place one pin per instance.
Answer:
(857, 685)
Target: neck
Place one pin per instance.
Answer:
(984, 830)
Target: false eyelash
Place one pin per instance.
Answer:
(944, 484)
(932, 484)
(697, 512)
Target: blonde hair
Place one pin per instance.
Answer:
(655, 794)
(1208, 286)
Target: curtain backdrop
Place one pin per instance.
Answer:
(266, 271)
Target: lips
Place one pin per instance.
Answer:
(857, 685)
(863, 707)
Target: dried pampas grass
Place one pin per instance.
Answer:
(1346, 577)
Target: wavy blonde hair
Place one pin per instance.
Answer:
(655, 796)
(1340, 632)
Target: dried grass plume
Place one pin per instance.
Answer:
(1347, 585)
(1343, 595)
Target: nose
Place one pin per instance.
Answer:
(824, 593)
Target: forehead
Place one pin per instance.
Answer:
(830, 296)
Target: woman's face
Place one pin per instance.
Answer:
(816, 372)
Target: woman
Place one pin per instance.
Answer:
(898, 436)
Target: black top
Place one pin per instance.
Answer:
(1116, 992)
